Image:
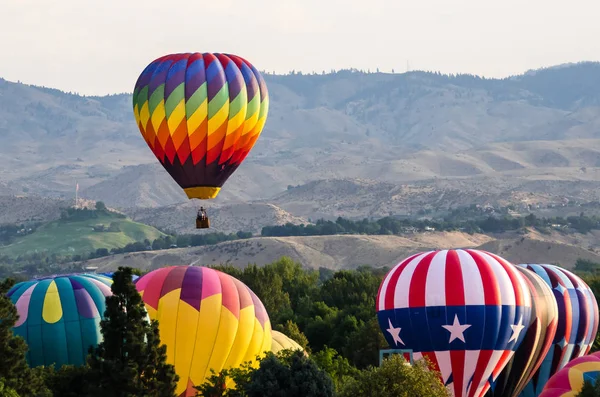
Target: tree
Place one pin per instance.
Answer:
(336, 366)
(590, 389)
(6, 391)
(291, 330)
(289, 375)
(396, 379)
(16, 375)
(130, 361)
(100, 206)
(69, 381)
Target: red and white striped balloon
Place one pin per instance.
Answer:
(464, 310)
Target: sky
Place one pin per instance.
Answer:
(95, 47)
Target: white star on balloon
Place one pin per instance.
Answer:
(456, 330)
(517, 328)
(563, 343)
(395, 332)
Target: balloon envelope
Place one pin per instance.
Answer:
(577, 323)
(200, 114)
(59, 316)
(111, 274)
(539, 335)
(282, 342)
(207, 319)
(569, 381)
(464, 310)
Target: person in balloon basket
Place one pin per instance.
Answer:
(201, 214)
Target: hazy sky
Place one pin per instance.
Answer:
(98, 47)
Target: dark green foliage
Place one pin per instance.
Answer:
(68, 381)
(291, 330)
(586, 266)
(395, 379)
(6, 391)
(15, 373)
(337, 310)
(593, 281)
(590, 389)
(130, 361)
(289, 376)
(338, 367)
(470, 221)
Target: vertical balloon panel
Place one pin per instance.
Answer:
(207, 319)
(59, 317)
(577, 323)
(539, 334)
(464, 310)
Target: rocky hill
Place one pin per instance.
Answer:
(351, 251)
(333, 252)
(342, 144)
(345, 124)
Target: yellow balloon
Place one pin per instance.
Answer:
(207, 319)
(282, 342)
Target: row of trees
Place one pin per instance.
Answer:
(392, 225)
(330, 314)
(131, 361)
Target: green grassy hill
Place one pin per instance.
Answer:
(79, 232)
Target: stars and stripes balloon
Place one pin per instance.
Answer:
(577, 322)
(200, 114)
(569, 381)
(59, 316)
(465, 310)
(207, 319)
(539, 335)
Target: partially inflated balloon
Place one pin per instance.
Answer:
(539, 335)
(111, 274)
(569, 381)
(207, 319)
(283, 342)
(464, 310)
(577, 323)
(59, 317)
(200, 114)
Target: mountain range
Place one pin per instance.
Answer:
(347, 143)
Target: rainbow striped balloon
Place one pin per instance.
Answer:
(59, 316)
(207, 319)
(200, 114)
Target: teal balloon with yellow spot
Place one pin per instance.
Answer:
(59, 316)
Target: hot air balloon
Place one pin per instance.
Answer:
(465, 310)
(283, 342)
(59, 316)
(539, 335)
(207, 319)
(200, 114)
(569, 381)
(577, 323)
(111, 274)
